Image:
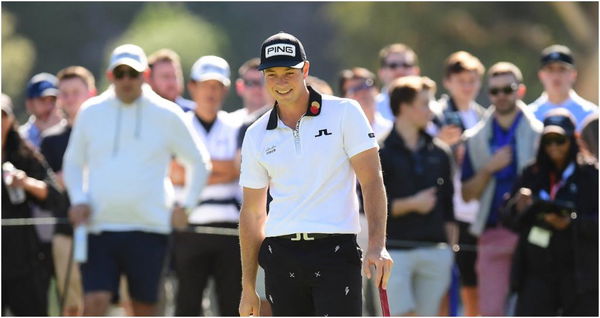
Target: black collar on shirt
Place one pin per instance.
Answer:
(206, 124)
(312, 109)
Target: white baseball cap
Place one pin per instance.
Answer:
(211, 67)
(130, 55)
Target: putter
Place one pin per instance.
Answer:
(385, 306)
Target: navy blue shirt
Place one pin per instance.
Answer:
(505, 178)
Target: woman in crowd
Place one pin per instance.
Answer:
(26, 178)
(554, 208)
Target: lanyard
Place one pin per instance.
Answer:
(555, 186)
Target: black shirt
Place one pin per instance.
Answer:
(404, 174)
(53, 147)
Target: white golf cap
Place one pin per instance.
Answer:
(130, 55)
(211, 67)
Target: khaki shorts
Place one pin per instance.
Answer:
(61, 250)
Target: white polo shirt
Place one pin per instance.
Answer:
(216, 200)
(308, 169)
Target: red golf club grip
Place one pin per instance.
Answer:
(385, 305)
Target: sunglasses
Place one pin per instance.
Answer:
(555, 139)
(506, 89)
(362, 86)
(119, 73)
(253, 83)
(395, 65)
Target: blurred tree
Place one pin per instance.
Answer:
(171, 25)
(515, 32)
(18, 56)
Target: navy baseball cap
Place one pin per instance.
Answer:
(42, 84)
(557, 53)
(282, 49)
(559, 121)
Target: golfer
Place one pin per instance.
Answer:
(308, 151)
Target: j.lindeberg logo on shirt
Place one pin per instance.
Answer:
(322, 132)
(270, 150)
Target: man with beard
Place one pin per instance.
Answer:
(498, 148)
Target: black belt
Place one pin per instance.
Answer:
(308, 236)
(231, 201)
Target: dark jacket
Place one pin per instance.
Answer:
(573, 251)
(53, 147)
(404, 174)
(20, 248)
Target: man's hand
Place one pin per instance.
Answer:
(450, 134)
(79, 214)
(383, 265)
(425, 200)
(500, 159)
(250, 303)
(179, 218)
(558, 222)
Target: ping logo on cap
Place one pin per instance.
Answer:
(280, 49)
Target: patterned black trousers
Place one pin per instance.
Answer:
(320, 277)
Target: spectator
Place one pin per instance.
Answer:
(558, 74)
(359, 84)
(459, 111)
(166, 77)
(319, 85)
(498, 148)
(26, 179)
(588, 139)
(41, 104)
(396, 60)
(75, 85)
(554, 209)
(250, 87)
(126, 138)
(417, 172)
(199, 257)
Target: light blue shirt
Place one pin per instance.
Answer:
(576, 105)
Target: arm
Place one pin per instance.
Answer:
(367, 167)
(473, 188)
(224, 171)
(35, 187)
(421, 202)
(252, 221)
(74, 162)
(192, 153)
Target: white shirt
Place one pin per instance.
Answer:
(125, 151)
(221, 142)
(308, 169)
